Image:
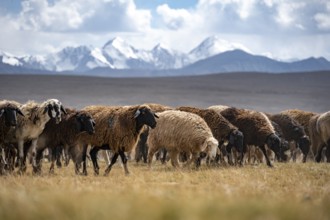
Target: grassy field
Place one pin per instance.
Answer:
(288, 191)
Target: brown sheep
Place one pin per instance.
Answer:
(319, 129)
(64, 134)
(221, 128)
(178, 132)
(118, 129)
(292, 131)
(257, 130)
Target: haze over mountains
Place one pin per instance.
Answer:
(118, 58)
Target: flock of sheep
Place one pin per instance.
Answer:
(221, 134)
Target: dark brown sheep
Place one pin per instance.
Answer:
(117, 129)
(221, 128)
(302, 117)
(257, 130)
(292, 131)
(8, 120)
(64, 133)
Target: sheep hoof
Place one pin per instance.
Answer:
(127, 173)
(96, 172)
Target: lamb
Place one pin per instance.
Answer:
(292, 131)
(118, 129)
(31, 126)
(8, 120)
(64, 133)
(180, 131)
(319, 129)
(256, 127)
(221, 128)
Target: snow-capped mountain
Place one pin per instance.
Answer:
(124, 56)
(117, 57)
(212, 46)
(78, 59)
(9, 59)
(165, 58)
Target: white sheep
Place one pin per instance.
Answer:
(178, 132)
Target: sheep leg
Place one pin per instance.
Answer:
(327, 151)
(38, 159)
(229, 154)
(53, 158)
(84, 157)
(34, 153)
(124, 160)
(113, 161)
(163, 159)
(58, 154)
(174, 158)
(93, 153)
(21, 162)
(66, 155)
(319, 153)
(151, 153)
(263, 149)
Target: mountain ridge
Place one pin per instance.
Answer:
(213, 55)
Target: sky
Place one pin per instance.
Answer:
(280, 29)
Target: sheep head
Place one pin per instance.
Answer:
(54, 108)
(236, 139)
(85, 123)
(144, 116)
(274, 143)
(10, 114)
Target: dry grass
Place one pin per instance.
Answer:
(289, 191)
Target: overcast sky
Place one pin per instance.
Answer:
(282, 29)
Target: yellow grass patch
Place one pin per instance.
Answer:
(288, 191)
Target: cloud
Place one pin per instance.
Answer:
(83, 16)
(175, 19)
(323, 19)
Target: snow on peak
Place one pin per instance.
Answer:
(212, 46)
(9, 59)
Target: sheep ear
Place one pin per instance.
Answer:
(1, 112)
(137, 113)
(63, 110)
(19, 112)
(46, 109)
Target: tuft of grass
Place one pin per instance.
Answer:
(288, 191)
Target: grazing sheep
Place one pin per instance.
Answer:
(141, 150)
(256, 127)
(319, 129)
(292, 131)
(31, 126)
(179, 131)
(8, 120)
(302, 117)
(221, 128)
(118, 129)
(64, 133)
